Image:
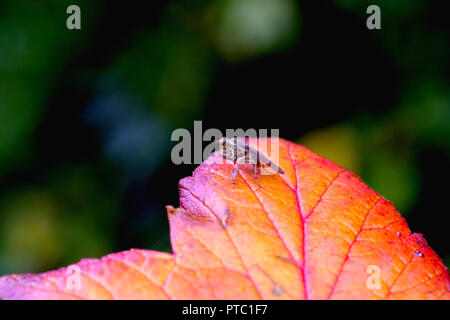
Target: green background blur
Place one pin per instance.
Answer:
(86, 115)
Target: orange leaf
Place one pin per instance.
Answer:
(316, 232)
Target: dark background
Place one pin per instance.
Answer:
(86, 115)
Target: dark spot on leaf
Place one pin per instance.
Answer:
(224, 220)
(418, 253)
(278, 290)
(285, 259)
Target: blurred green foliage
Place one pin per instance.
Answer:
(175, 77)
(247, 29)
(33, 49)
(70, 213)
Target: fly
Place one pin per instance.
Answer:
(239, 151)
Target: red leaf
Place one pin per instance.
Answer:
(316, 232)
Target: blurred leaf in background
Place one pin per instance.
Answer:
(418, 46)
(169, 68)
(33, 49)
(340, 143)
(70, 213)
(424, 113)
(243, 29)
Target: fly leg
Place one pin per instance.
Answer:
(255, 174)
(234, 175)
(236, 171)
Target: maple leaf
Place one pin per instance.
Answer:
(315, 232)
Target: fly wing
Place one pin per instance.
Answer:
(258, 156)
